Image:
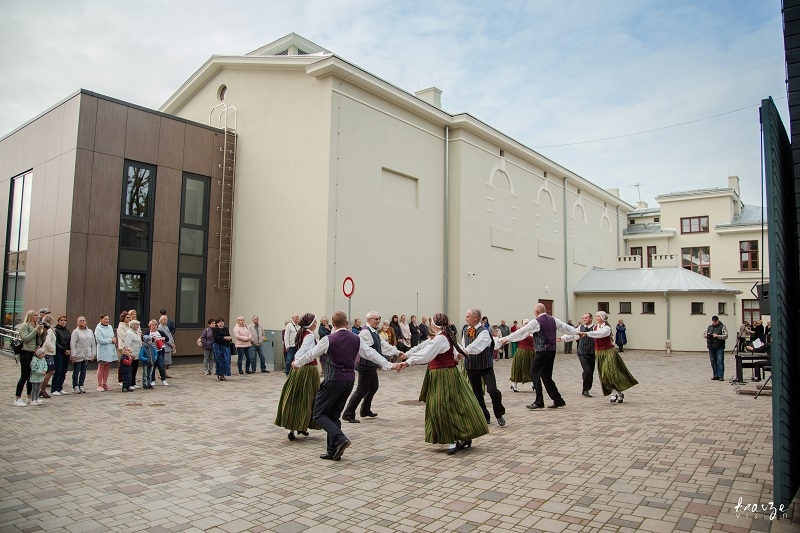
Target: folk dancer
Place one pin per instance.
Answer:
(296, 403)
(614, 375)
(478, 363)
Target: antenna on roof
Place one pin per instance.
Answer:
(638, 190)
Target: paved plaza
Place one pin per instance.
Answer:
(201, 455)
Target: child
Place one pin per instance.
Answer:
(148, 357)
(126, 369)
(38, 370)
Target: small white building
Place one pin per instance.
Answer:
(659, 305)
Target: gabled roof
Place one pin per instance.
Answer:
(628, 280)
(282, 45)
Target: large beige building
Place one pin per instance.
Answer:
(709, 231)
(341, 174)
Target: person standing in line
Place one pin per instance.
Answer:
(207, 343)
(83, 349)
(159, 341)
(514, 327)
(324, 328)
(256, 339)
(394, 323)
(414, 328)
(405, 335)
(715, 336)
(342, 348)
(423, 329)
(133, 340)
(296, 403)
(452, 413)
(543, 328)
(242, 340)
(356, 326)
(504, 331)
(126, 363)
(106, 351)
(28, 334)
(62, 356)
(148, 355)
(568, 344)
(168, 335)
(368, 371)
(614, 375)
(122, 330)
(741, 336)
(585, 353)
(38, 368)
(170, 324)
(289, 349)
(478, 363)
(222, 350)
(48, 348)
(521, 362)
(621, 338)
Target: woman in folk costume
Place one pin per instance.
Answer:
(452, 414)
(297, 397)
(521, 362)
(614, 375)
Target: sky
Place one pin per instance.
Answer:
(659, 93)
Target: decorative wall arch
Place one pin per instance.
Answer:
(579, 205)
(500, 178)
(545, 189)
(607, 221)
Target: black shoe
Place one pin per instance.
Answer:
(291, 435)
(370, 414)
(488, 421)
(241, 373)
(246, 372)
(328, 456)
(586, 393)
(556, 405)
(265, 371)
(340, 450)
(351, 419)
(303, 433)
(453, 448)
(620, 397)
(501, 421)
(535, 406)
(467, 444)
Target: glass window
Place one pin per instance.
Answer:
(194, 207)
(603, 306)
(16, 247)
(694, 225)
(751, 310)
(624, 308)
(721, 308)
(134, 234)
(697, 260)
(193, 241)
(648, 308)
(132, 292)
(697, 308)
(748, 255)
(137, 190)
(190, 299)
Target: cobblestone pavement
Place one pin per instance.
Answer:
(202, 455)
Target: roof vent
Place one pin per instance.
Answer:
(432, 95)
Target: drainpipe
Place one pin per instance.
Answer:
(566, 259)
(668, 343)
(446, 212)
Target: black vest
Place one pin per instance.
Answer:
(481, 360)
(585, 344)
(376, 345)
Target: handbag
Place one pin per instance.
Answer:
(16, 346)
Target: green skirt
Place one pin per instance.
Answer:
(451, 411)
(297, 399)
(521, 366)
(613, 373)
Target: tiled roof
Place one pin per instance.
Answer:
(661, 280)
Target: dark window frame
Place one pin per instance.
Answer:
(629, 311)
(204, 227)
(646, 311)
(701, 310)
(722, 308)
(701, 268)
(752, 263)
(699, 220)
(604, 306)
(149, 219)
(25, 179)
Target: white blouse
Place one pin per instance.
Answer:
(427, 351)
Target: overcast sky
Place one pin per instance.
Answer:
(544, 72)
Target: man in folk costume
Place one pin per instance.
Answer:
(368, 371)
(585, 353)
(478, 363)
(342, 347)
(543, 328)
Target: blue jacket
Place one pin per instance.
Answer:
(148, 354)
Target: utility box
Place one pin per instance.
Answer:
(273, 349)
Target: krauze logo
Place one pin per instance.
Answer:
(766, 509)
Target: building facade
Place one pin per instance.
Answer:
(710, 232)
(109, 207)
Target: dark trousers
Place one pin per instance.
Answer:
(365, 391)
(587, 364)
(506, 348)
(127, 375)
(542, 373)
(25, 359)
(487, 375)
(162, 373)
(328, 405)
(62, 365)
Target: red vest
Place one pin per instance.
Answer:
(444, 360)
(603, 343)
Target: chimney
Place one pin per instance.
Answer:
(613, 192)
(432, 95)
(641, 205)
(733, 183)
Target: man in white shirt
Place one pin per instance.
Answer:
(368, 371)
(342, 347)
(289, 336)
(478, 344)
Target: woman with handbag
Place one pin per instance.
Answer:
(28, 333)
(62, 356)
(158, 341)
(169, 343)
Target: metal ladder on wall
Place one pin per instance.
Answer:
(226, 182)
